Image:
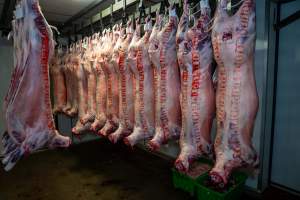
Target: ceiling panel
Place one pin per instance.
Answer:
(56, 17)
(61, 11)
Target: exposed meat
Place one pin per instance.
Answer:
(27, 106)
(101, 89)
(169, 124)
(59, 83)
(119, 35)
(112, 112)
(237, 100)
(69, 69)
(144, 101)
(90, 71)
(131, 62)
(184, 53)
(67, 75)
(197, 93)
(73, 66)
(126, 88)
(153, 51)
(81, 64)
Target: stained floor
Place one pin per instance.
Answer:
(92, 171)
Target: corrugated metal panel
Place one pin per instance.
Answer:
(96, 17)
(118, 5)
(129, 2)
(106, 12)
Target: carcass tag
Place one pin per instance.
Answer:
(19, 12)
(60, 51)
(172, 13)
(9, 35)
(129, 30)
(204, 4)
(147, 27)
(229, 6)
(84, 45)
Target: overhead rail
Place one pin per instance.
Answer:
(122, 8)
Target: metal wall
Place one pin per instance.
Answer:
(286, 150)
(6, 66)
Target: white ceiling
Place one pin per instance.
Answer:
(62, 10)
(59, 11)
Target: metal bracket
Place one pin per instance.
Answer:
(92, 26)
(285, 22)
(111, 14)
(163, 5)
(101, 22)
(124, 14)
(282, 1)
(142, 11)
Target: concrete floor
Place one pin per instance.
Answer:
(92, 171)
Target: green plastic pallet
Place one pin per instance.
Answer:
(234, 193)
(186, 183)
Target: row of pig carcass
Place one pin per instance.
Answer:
(159, 86)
